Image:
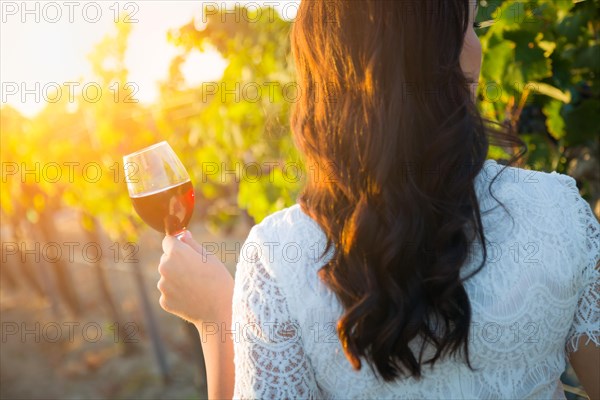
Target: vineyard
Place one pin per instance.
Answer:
(74, 252)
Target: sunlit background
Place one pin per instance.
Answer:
(79, 307)
(62, 47)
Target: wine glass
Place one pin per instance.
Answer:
(160, 188)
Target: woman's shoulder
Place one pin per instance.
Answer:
(527, 188)
(289, 245)
(510, 176)
(287, 241)
(289, 226)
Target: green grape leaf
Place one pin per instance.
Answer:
(554, 121)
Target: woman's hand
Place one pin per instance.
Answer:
(194, 285)
(197, 287)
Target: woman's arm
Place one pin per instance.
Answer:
(198, 288)
(218, 349)
(583, 340)
(586, 363)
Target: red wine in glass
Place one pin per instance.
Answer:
(160, 188)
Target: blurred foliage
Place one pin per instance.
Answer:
(69, 155)
(237, 131)
(540, 75)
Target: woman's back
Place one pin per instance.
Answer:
(533, 297)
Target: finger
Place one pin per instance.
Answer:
(169, 243)
(163, 303)
(162, 267)
(189, 240)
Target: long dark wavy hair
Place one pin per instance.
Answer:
(388, 126)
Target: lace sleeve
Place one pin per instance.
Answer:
(270, 362)
(587, 315)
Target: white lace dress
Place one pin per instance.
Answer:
(536, 295)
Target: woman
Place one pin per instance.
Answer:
(412, 267)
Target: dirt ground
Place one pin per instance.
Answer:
(48, 353)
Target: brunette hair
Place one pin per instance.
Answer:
(387, 123)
